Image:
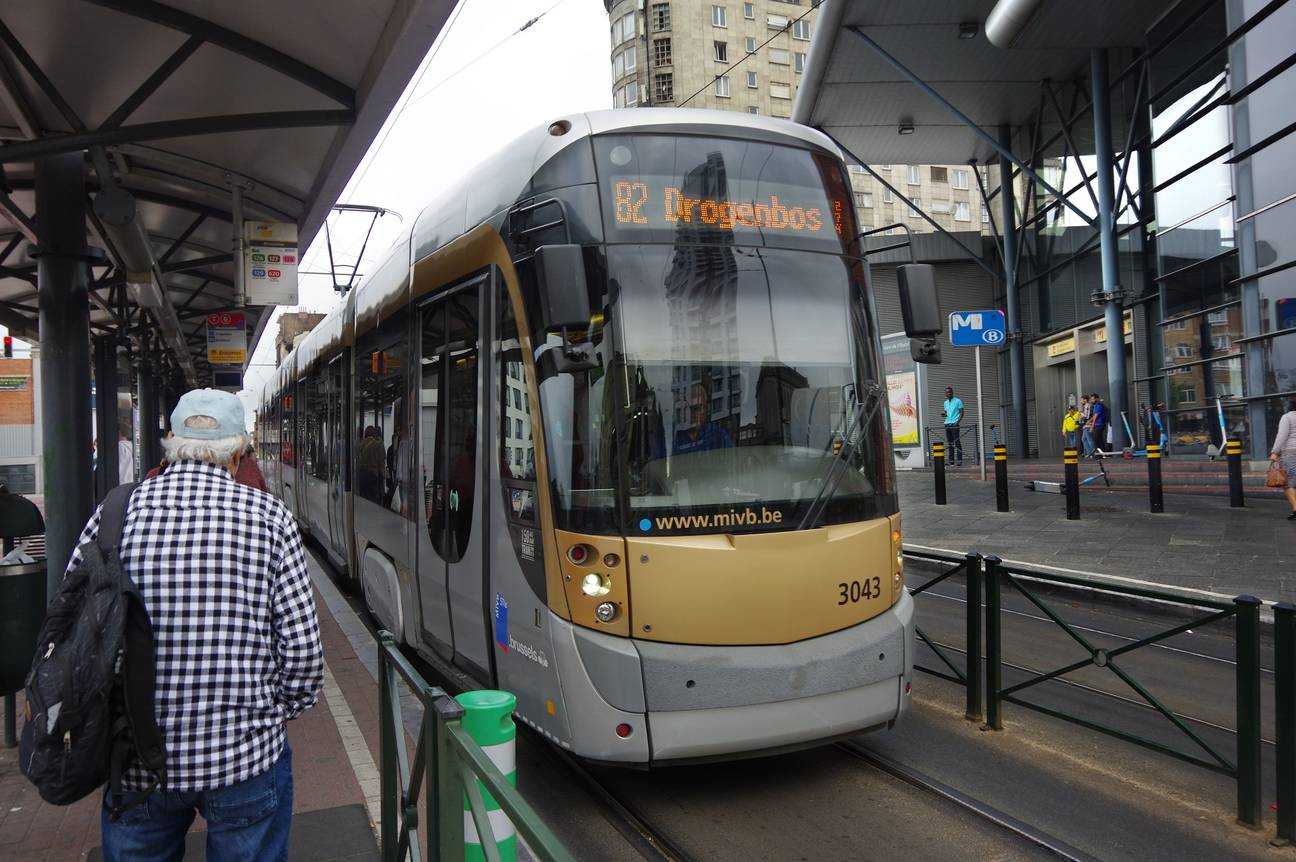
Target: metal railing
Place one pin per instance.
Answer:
(446, 768)
(1030, 584)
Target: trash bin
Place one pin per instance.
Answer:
(22, 601)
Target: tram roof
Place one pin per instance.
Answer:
(852, 92)
(180, 101)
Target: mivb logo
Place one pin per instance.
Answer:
(975, 328)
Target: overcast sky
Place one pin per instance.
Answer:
(483, 84)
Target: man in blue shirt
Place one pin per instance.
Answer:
(702, 434)
(953, 415)
(1095, 432)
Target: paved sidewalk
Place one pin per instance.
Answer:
(1199, 542)
(335, 781)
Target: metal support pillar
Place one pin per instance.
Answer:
(62, 277)
(147, 385)
(1110, 295)
(106, 420)
(1019, 437)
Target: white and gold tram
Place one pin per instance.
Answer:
(603, 431)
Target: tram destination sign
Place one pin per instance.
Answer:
(977, 328)
(227, 338)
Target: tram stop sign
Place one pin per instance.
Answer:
(977, 328)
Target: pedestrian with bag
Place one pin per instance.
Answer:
(219, 570)
(1282, 457)
(1070, 426)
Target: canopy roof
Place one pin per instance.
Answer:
(179, 103)
(853, 92)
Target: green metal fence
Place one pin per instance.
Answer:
(1244, 612)
(445, 770)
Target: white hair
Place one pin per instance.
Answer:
(219, 451)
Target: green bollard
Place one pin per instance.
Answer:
(488, 720)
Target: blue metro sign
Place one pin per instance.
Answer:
(977, 328)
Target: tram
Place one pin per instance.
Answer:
(603, 430)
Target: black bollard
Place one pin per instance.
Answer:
(1285, 718)
(1234, 449)
(1155, 499)
(1001, 478)
(938, 469)
(1071, 466)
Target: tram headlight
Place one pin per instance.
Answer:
(898, 546)
(606, 612)
(595, 585)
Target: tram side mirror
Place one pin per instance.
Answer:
(564, 292)
(919, 303)
(925, 350)
(564, 304)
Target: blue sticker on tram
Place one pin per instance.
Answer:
(645, 525)
(501, 622)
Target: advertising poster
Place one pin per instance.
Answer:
(904, 401)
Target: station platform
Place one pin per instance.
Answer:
(335, 775)
(1199, 542)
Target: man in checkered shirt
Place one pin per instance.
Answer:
(222, 572)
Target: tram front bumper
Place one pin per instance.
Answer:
(704, 702)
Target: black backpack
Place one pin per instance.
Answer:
(90, 689)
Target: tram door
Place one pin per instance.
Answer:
(338, 423)
(450, 557)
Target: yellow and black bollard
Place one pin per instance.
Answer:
(1155, 499)
(1234, 450)
(938, 470)
(1071, 468)
(1001, 478)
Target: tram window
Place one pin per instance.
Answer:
(431, 470)
(314, 454)
(517, 461)
(462, 350)
(383, 449)
(288, 440)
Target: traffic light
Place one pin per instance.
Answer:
(8, 347)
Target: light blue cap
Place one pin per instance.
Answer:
(208, 414)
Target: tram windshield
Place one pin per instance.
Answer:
(734, 357)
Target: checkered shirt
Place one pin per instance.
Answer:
(223, 575)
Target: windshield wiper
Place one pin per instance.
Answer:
(864, 412)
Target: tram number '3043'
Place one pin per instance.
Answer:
(869, 588)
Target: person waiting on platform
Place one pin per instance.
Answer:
(953, 410)
(1095, 430)
(1284, 452)
(1071, 427)
(701, 434)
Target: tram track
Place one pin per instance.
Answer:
(649, 841)
(982, 811)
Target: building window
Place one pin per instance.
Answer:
(722, 52)
(661, 16)
(985, 215)
(752, 109)
(750, 45)
(962, 211)
(622, 29)
(751, 80)
(663, 87)
(1177, 324)
(631, 94)
(942, 207)
(959, 179)
(661, 52)
(722, 87)
(801, 30)
(780, 91)
(618, 66)
(749, 11)
(883, 167)
(887, 196)
(915, 175)
(777, 22)
(719, 18)
(1183, 351)
(799, 61)
(779, 57)
(939, 175)
(618, 97)
(864, 199)
(1187, 395)
(630, 61)
(914, 207)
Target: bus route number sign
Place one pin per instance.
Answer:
(977, 328)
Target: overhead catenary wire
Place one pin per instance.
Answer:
(747, 54)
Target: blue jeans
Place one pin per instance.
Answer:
(246, 822)
(1088, 441)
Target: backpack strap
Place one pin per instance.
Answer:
(112, 516)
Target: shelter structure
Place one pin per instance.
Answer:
(137, 137)
(1136, 155)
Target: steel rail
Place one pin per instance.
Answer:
(650, 842)
(974, 806)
